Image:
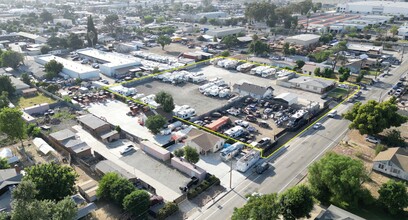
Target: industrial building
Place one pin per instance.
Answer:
(111, 64)
(359, 23)
(303, 39)
(222, 32)
(212, 15)
(403, 31)
(71, 68)
(375, 7)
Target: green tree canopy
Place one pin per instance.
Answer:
(120, 189)
(137, 203)
(12, 124)
(393, 139)
(53, 181)
(4, 100)
(163, 41)
(11, 59)
(74, 42)
(115, 188)
(300, 64)
(394, 196)
(26, 206)
(264, 207)
(53, 68)
(46, 16)
(111, 21)
(104, 188)
(92, 39)
(6, 86)
(297, 202)
(155, 123)
(229, 41)
(337, 179)
(179, 153)
(4, 163)
(373, 117)
(258, 47)
(168, 104)
(25, 78)
(191, 154)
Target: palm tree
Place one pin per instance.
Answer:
(91, 36)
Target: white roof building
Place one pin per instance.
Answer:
(303, 39)
(375, 7)
(71, 68)
(112, 63)
(222, 32)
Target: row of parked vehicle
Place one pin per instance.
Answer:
(216, 88)
(182, 76)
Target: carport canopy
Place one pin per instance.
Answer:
(290, 98)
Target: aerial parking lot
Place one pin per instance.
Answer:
(184, 94)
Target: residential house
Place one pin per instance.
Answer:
(336, 213)
(255, 91)
(204, 142)
(8, 179)
(393, 162)
(312, 84)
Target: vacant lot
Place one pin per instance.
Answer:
(36, 100)
(338, 93)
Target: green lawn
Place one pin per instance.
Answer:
(39, 99)
(338, 93)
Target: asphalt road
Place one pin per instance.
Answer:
(292, 165)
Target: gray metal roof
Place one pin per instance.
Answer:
(63, 135)
(336, 213)
(252, 88)
(92, 121)
(106, 166)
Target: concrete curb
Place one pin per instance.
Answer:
(219, 197)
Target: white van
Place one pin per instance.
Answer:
(332, 113)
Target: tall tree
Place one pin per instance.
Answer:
(394, 30)
(53, 68)
(258, 47)
(191, 154)
(111, 21)
(394, 196)
(337, 179)
(91, 38)
(104, 188)
(53, 181)
(120, 189)
(297, 202)
(163, 41)
(373, 117)
(11, 59)
(12, 124)
(6, 86)
(74, 42)
(137, 203)
(155, 123)
(264, 207)
(168, 104)
(46, 16)
(229, 41)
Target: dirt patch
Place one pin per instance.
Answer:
(208, 195)
(106, 211)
